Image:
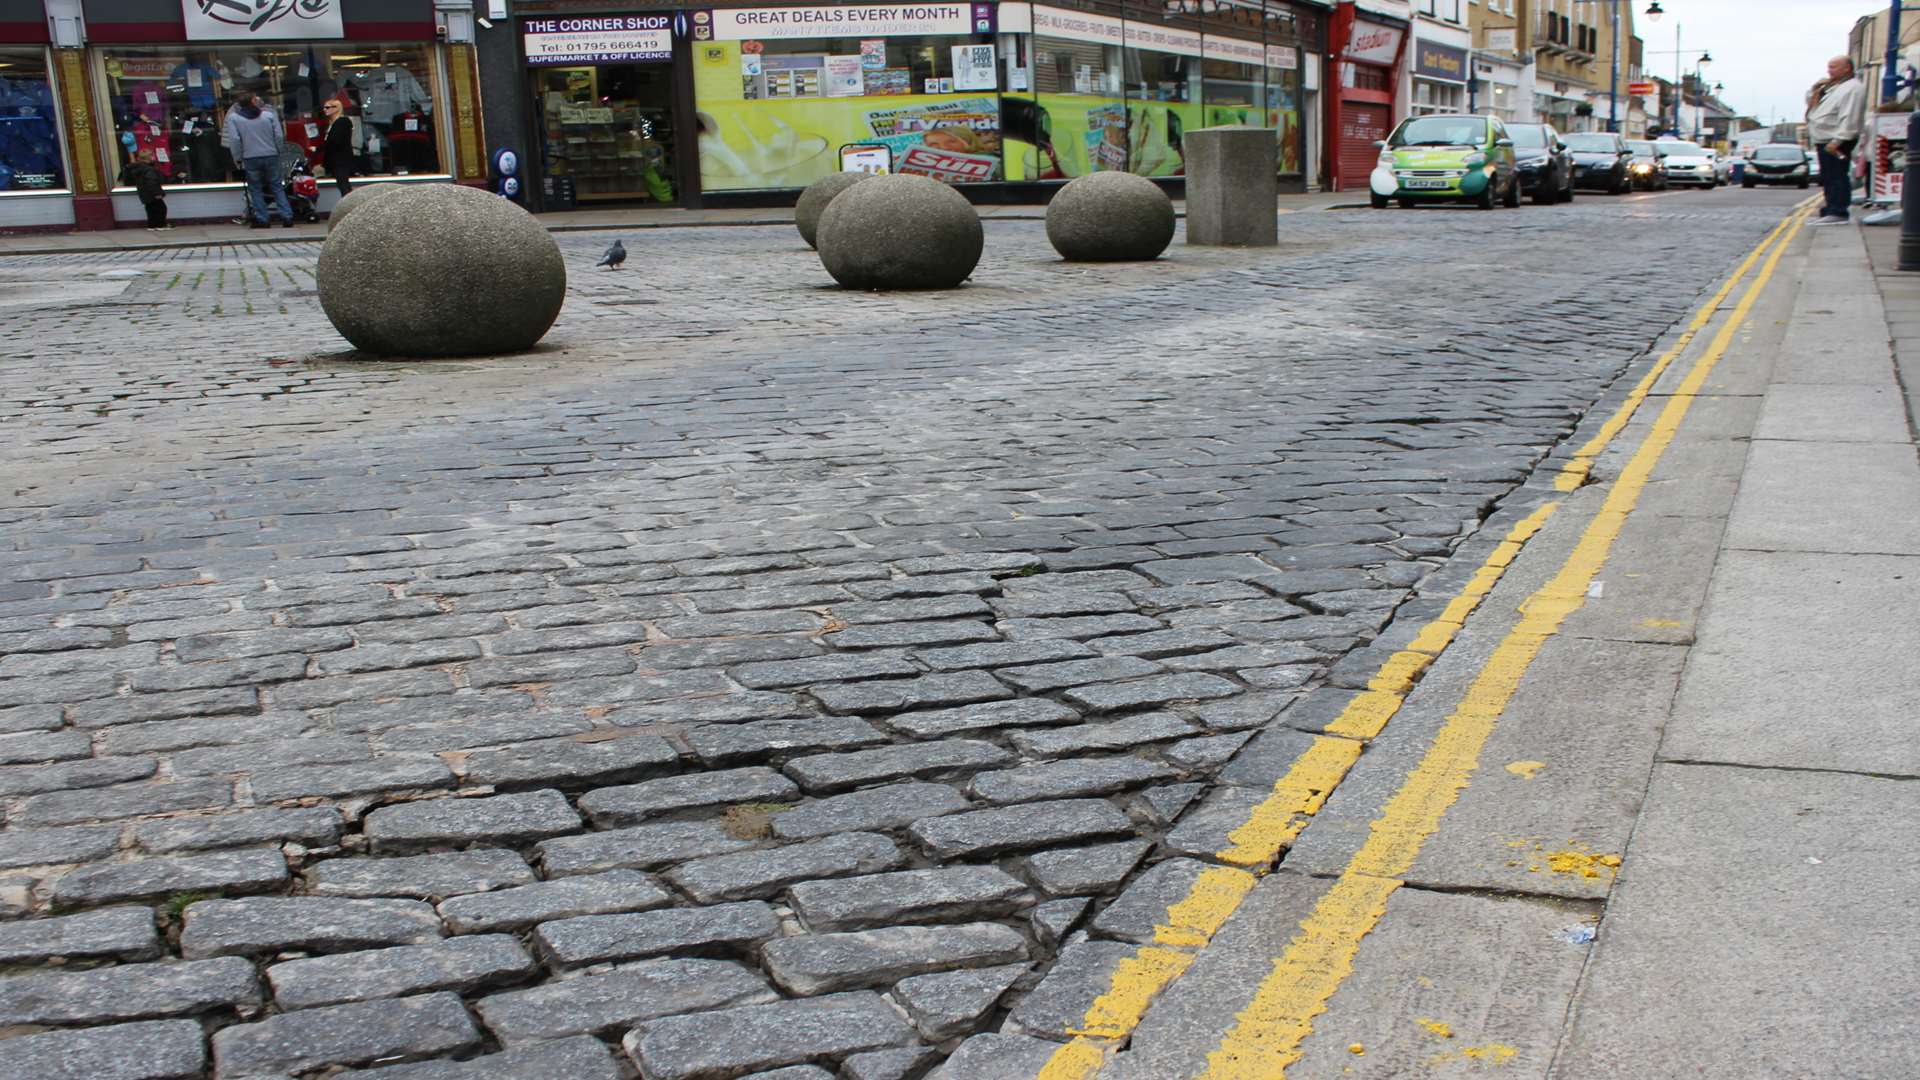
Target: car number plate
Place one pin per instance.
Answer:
(1428, 184)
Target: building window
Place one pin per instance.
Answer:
(171, 103)
(29, 133)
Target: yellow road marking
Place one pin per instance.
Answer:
(1298, 795)
(1574, 473)
(1267, 1035)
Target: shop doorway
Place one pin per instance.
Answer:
(607, 134)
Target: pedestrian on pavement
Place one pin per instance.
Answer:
(254, 136)
(142, 177)
(1836, 114)
(337, 155)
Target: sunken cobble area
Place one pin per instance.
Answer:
(755, 677)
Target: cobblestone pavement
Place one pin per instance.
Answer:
(757, 677)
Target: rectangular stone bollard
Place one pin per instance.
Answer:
(1231, 191)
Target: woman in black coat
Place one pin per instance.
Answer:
(337, 154)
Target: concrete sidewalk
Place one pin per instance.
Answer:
(185, 236)
(1728, 718)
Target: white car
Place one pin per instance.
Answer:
(1688, 163)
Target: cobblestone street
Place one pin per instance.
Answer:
(758, 678)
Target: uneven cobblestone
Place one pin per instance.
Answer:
(678, 601)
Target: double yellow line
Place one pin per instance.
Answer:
(1266, 1036)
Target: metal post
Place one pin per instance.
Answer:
(1890, 77)
(1613, 87)
(1679, 88)
(1910, 200)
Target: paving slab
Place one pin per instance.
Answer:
(1792, 669)
(1808, 973)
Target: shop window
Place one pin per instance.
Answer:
(776, 113)
(29, 131)
(608, 130)
(172, 102)
(1283, 115)
(1077, 122)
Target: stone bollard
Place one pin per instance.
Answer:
(1110, 217)
(1231, 191)
(358, 198)
(900, 232)
(813, 202)
(441, 270)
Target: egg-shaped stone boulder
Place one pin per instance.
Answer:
(900, 232)
(441, 270)
(359, 197)
(813, 202)
(1110, 217)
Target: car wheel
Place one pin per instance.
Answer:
(1543, 195)
(1803, 185)
(1379, 201)
(1746, 184)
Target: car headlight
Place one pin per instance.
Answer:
(1474, 161)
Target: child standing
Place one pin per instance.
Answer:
(145, 179)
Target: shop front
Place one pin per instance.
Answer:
(1439, 78)
(153, 81)
(689, 105)
(1360, 106)
(34, 179)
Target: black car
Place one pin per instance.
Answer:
(1542, 162)
(1648, 167)
(1602, 161)
(1777, 164)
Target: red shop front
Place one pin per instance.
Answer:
(1368, 52)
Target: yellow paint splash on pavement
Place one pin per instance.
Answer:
(1439, 1029)
(1525, 769)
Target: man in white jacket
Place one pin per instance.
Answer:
(1836, 115)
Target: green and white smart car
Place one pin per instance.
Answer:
(1446, 159)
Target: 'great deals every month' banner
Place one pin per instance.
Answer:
(853, 20)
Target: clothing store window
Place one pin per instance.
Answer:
(172, 102)
(29, 132)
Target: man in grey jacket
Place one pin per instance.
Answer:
(1836, 115)
(253, 135)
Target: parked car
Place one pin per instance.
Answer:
(1446, 158)
(1648, 167)
(1601, 161)
(1687, 163)
(1782, 164)
(1722, 168)
(1544, 163)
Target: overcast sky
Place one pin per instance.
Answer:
(1767, 52)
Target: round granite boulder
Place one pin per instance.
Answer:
(357, 198)
(1110, 217)
(900, 232)
(441, 270)
(813, 202)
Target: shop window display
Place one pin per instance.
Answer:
(29, 132)
(775, 113)
(171, 102)
(607, 130)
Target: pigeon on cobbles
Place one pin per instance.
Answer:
(615, 255)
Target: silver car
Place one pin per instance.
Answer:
(1688, 163)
